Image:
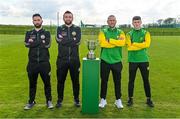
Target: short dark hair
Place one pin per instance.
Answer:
(111, 16)
(136, 18)
(67, 12)
(36, 15)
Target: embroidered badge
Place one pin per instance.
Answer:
(43, 36)
(32, 36)
(74, 33)
(64, 33)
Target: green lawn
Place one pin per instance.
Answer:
(164, 77)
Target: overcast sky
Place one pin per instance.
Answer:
(89, 11)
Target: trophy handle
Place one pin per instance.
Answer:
(97, 42)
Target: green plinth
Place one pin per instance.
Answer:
(90, 86)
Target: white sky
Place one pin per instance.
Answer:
(89, 11)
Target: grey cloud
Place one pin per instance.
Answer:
(47, 8)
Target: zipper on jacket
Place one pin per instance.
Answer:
(38, 48)
(69, 53)
(69, 47)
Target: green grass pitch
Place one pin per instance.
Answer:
(164, 78)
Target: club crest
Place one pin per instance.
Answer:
(43, 36)
(74, 33)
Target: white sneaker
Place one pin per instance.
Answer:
(29, 105)
(118, 103)
(102, 103)
(50, 105)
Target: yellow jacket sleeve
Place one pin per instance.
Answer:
(146, 43)
(103, 42)
(130, 47)
(120, 41)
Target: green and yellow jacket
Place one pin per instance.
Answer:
(137, 42)
(111, 42)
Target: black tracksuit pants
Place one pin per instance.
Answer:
(144, 69)
(34, 69)
(62, 69)
(116, 72)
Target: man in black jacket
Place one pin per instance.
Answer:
(68, 39)
(38, 41)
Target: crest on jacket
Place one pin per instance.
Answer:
(43, 36)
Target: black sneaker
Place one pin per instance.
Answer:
(77, 103)
(59, 104)
(29, 105)
(150, 103)
(130, 102)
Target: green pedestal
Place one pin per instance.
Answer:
(90, 86)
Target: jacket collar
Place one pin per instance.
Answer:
(112, 29)
(42, 29)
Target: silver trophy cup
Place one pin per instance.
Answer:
(91, 44)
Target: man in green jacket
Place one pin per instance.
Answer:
(138, 40)
(111, 41)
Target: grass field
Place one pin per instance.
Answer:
(164, 77)
(12, 29)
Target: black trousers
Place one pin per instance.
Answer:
(34, 69)
(116, 72)
(62, 69)
(144, 69)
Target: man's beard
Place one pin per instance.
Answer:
(68, 23)
(112, 26)
(38, 25)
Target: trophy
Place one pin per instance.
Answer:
(91, 44)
